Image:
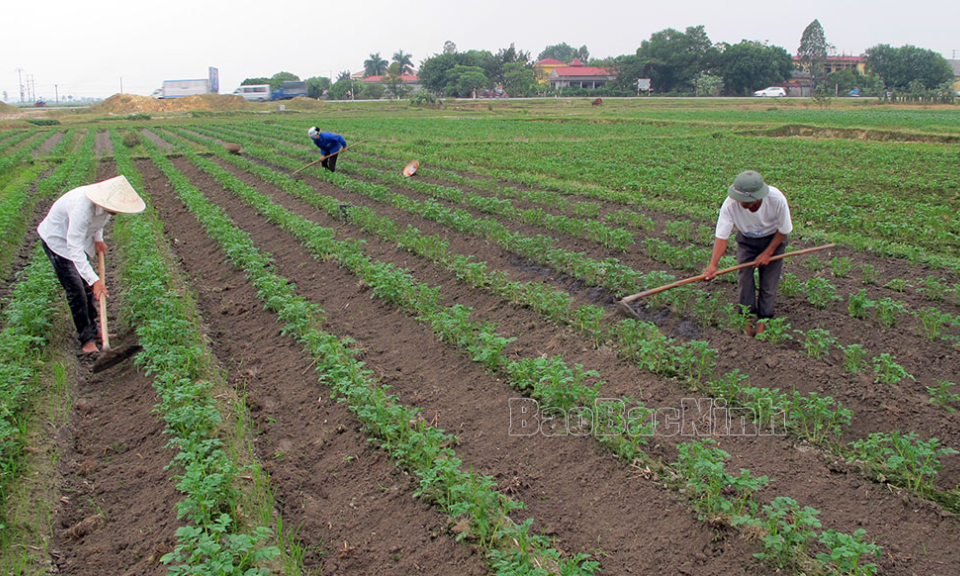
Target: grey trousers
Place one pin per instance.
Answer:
(79, 296)
(747, 251)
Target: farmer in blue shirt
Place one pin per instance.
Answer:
(328, 143)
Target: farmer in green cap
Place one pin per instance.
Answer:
(762, 218)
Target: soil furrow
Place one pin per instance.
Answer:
(352, 509)
(797, 471)
(549, 474)
(113, 466)
(904, 406)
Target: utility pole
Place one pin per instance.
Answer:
(56, 92)
(121, 84)
(20, 80)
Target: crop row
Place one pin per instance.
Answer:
(838, 194)
(680, 257)
(174, 353)
(814, 417)
(17, 204)
(817, 342)
(689, 258)
(654, 193)
(705, 307)
(28, 315)
(560, 389)
(27, 319)
(396, 427)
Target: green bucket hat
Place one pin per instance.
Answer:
(748, 187)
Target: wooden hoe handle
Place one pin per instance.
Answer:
(686, 281)
(104, 335)
(322, 158)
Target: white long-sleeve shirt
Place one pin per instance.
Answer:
(70, 229)
(772, 216)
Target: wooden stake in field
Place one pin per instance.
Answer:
(623, 305)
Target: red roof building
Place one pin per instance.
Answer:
(407, 79)
(577, 75)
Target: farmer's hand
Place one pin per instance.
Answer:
(99, 288)
(710, 272)
(762, 260)
(100, 247)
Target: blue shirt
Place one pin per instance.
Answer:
(328, 143)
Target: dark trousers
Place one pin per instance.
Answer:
(79, 296)
(330, 163)
(747, 251)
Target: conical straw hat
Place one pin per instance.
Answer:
(115, 195)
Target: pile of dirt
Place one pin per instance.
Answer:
(133, 104)
(7, 109)
(301, 103)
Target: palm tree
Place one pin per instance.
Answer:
(375, 66)
(404, 62)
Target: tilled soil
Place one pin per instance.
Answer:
(550, 475)
(847, 500)
(349, 505)
(116, 513)
(49, 144)
(102, 144)
(878, 408)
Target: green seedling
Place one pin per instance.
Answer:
(888, 311)
(789, 530)
(817, 417)
(817, 342)
(933, 288)
(858, 303)
(887, 371)
(904, 455)
(813, 263)
(932, 320)
(776, 331)
(841, 266)
(820, 292)
(790, 285)
(854, 356)
(897, 285)
(847, 553)
(942, 396)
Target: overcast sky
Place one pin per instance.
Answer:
(85, 48)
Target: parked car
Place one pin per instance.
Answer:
(855, 93)
(254, 92)
(771, 91)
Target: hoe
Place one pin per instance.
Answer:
(322, 158)
(623, 306)
(109, 357)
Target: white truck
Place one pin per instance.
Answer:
(182, 88)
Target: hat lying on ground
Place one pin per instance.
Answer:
(748, 187)
(115, 195)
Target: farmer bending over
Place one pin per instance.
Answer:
(72, 231)
(762, 218)
(328, 143)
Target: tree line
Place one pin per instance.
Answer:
(676, 62)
